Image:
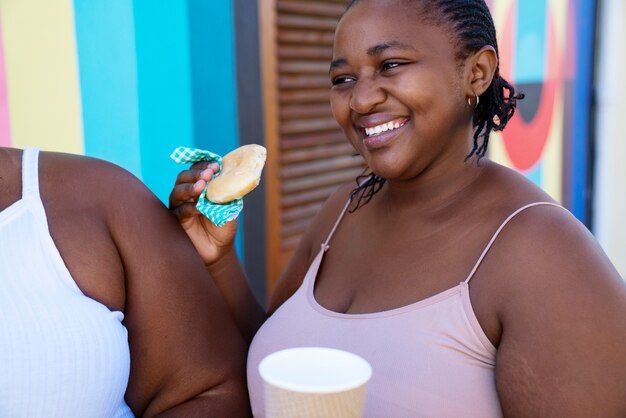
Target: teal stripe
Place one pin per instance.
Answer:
(535, 174)
(213, 75)
(108, 81)
(164, 86)
(530, 54)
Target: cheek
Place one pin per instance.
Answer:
(340, 107)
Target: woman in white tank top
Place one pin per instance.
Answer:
(461, 283)
(105, 308)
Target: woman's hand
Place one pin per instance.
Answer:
(211, 242)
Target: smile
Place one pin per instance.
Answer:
(385, 127)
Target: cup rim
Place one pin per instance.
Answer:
(356, 361)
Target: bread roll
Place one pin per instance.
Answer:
(241, 172)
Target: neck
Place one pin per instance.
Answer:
(436, 188)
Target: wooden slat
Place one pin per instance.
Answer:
(311, 139)
(301, 212)
(319, 166)
(308, 125)
(289, 97)
(315, 153)
(304, 67)
(306, 81)
(305, 37)
(319, 180)
(307, 196)
(305, 111)
(310, 8)
(305, 52)
(311, 23)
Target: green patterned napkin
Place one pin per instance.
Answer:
(218, 213)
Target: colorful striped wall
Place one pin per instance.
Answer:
(547, 52)
(126, 81)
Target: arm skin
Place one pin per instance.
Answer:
(562, 308)
(216, 247)
(187, 358)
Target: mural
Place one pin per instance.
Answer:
(546, 51)
(129, 81)
(126, 81)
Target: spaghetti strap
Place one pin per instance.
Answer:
(325, 245)
(495, 235)
(30, 173)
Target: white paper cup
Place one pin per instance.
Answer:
(312, 382)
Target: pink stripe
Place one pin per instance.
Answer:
(5, 130)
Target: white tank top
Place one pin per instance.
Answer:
(62, 354)
(430, 358)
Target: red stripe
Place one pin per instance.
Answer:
(5, 129)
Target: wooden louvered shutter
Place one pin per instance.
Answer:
(308, 155)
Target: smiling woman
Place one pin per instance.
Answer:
(451, 275)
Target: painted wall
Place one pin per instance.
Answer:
(126, 81)
(546, 50)
(610, 185)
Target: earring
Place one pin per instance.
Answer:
(469, 102)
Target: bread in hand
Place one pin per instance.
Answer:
(241, 172)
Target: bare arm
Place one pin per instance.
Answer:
(187, 358)
(215, 246)
(563, 346)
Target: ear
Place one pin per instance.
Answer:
(482, 66)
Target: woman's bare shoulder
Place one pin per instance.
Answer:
(309, 245)
(90, 180)
(562, 309)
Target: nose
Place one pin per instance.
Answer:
(366, 95)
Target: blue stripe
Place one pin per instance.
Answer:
(164, 87)
(581, 108)
(535, 174)
(108, 81)
(213, 75)
(530, 54)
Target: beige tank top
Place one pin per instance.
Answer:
(429, 359)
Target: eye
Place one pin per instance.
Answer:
(342, 79)
(390, 65)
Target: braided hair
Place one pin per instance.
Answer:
(471, 24)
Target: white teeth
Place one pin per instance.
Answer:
(389, 126)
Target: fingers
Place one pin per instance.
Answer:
(201, 170)
(185, 211)
(185, 193)
(190, 183)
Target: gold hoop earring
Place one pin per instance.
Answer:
(469, 102)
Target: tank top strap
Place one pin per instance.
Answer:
(30, 173)
(500, 228)
(325, 245)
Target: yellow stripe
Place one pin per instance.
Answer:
(42, 74)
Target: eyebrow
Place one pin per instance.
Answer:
(372, 51)
(378, 49)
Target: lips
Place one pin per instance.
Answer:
(376, 127)
(384, 127)
(379, 133)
